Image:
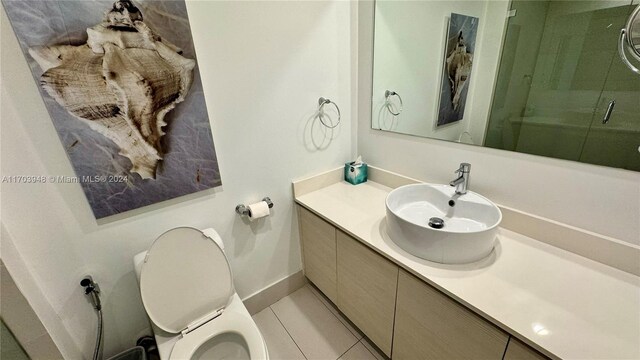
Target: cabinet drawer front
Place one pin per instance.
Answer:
(367, 284)
(430, 325)
(517, 350)
(318, 239)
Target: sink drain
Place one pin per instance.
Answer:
(436, 223)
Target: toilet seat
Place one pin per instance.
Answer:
(185, 280)
(229, 322)
(187, 289)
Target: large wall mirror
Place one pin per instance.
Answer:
(553, 78)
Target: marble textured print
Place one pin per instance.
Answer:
(189, 160)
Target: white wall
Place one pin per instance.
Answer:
(263, 65)
(599, 199)
(30, 289)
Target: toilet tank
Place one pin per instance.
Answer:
(138, 259)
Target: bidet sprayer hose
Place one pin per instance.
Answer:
(92, 291)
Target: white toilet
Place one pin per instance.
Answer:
(187, 290)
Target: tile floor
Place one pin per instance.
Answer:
(305, 325)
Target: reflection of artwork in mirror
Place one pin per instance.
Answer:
(460, 46)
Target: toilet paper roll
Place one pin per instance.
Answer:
(258, 210)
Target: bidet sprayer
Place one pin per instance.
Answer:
(92, 290)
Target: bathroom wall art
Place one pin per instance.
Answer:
(121, 83)
(456, 71)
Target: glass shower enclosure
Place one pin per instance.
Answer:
(562, 90)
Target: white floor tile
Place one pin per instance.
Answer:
(316, 331)
(358, 352)
(279, 343)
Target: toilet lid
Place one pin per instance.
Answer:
(184, 279)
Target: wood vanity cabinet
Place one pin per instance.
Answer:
(318, 239)
(517, 350)
(367, 290)
(404, 316)
(430, 325)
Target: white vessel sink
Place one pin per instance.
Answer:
(469, 228)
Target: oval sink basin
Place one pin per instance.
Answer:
(432, 222)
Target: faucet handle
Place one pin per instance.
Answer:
(463, 169)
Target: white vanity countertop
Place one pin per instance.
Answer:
(564, 305)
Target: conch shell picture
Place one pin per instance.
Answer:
(457, 67)
(121, 83)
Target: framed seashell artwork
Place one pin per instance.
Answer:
(121, 83)
(460, 46)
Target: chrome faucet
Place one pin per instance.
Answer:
(462, 181)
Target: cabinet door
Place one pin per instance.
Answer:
(318, 239)
(367, 284)
(517, 350)
(430, 325)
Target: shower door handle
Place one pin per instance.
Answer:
(607, 114)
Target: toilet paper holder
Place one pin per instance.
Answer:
(244, 210)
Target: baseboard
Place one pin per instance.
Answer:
(274, 292)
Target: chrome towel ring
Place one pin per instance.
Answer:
(321, 103)
(387, 95)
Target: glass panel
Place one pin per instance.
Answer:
(545, 107)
